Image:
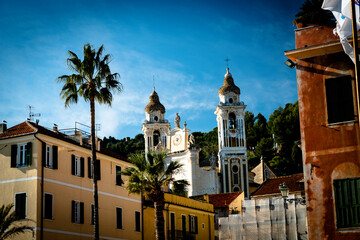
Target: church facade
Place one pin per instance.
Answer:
(230, 172)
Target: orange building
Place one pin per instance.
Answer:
(66, 184)
(330, 137)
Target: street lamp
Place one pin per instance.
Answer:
(285, 193)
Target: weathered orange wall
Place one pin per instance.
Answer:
(329, 151)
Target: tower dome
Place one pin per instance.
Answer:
(229, 85)
(154, 103)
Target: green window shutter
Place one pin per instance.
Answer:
(28, 154)
(98, 170)
(82, 166)
(20, 205)
(13, 155)
(55, 157)
(196, 224)
(73, 211)
(81, 212)
(89, 168)
(43, 154)
(73, 164)
(347, 202)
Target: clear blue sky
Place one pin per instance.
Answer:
(182, 43)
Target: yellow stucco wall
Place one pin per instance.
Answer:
(66, 187)
(182, 206)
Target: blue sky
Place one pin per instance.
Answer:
(182, 44)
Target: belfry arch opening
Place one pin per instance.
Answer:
(156, 137)
(232, 120)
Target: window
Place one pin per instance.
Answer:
(20, 205)
(156, 138)
(137, 221)
(119, 181)
(347, 202)
(48, 206)
(119, 223)
(339, 99)
(235, 170)
(77, 212)
(97, 168)
(50, 156)
(21, 155)
(244, 168)
(193, 222)
(232, 121)
(77, 166)
(226, 178)
(92, 220)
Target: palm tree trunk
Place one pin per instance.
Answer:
(159, 219)
(93, 165)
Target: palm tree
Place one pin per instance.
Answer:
(92, 80)
(8, 228)
(149, 176)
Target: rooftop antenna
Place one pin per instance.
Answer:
(227, 61)
(97, 128)
(31, 114)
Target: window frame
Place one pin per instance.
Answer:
(52, 206)
(118, 177)
(329, 108)
(49, 163)
(77, 212)
(25, 205)
(193, 221)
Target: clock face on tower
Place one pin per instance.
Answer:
(177, 139)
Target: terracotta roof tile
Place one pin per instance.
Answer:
(271, 185)
(223, 199)
(18, 130)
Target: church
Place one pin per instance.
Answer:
(230, 172)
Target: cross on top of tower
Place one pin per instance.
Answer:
(227, 62)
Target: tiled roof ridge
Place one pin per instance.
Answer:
(287, 176)
(30, 124)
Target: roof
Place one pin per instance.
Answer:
(223, 199)
(154, 103)
(271, 185)
(229, 85)
(28, 128)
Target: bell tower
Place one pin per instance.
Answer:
(156, 128)
(231, 137)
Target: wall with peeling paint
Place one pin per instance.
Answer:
(330, 151)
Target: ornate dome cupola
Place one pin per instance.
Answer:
(229, 93)
(154, 111)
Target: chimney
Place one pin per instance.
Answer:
(3, 127)
(55, 128)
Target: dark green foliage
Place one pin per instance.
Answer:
(125, 146)
(208, 142)
(275, 140)
(311, 13)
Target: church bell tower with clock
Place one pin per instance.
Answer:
(231, 137)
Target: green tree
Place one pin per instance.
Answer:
(93, 81)
(8, 227)
(284, 123)
(149, 176)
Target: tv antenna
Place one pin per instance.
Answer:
(97, 128)
(31, 114)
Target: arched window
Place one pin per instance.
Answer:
(232, 121)
(156, 137)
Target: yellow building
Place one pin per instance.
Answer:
(185, 218)
(67, 185)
